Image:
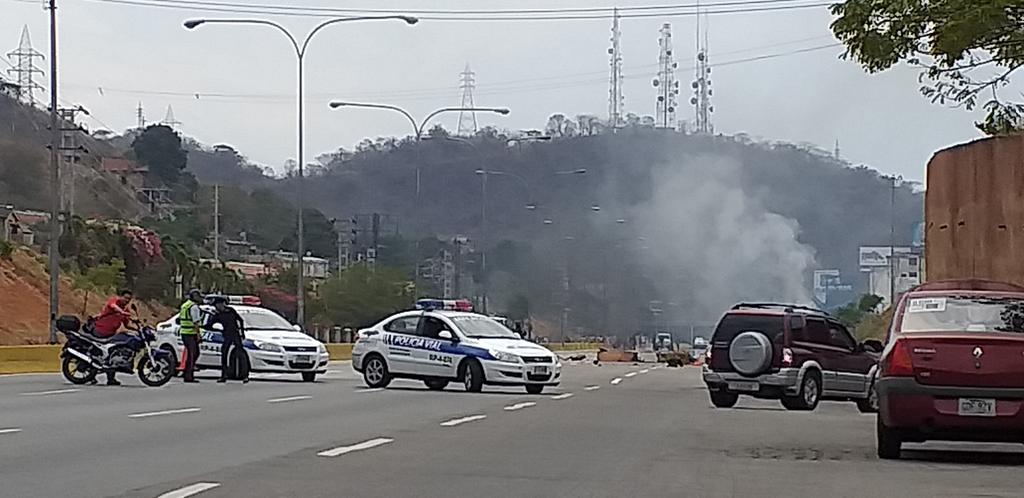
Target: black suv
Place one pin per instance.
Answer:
(791, 353)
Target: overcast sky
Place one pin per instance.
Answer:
(535, 68)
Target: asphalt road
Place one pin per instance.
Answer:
(613, 430)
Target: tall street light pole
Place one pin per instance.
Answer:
(55, 201)
(417, 130)
(300, 54)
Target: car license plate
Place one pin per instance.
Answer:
(303, 358)
(977, 407)
(744, 386)
(540, 370)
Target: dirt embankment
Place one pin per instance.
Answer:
(24, 300)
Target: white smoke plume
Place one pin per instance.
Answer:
(708, 244)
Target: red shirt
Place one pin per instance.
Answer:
(112, 317)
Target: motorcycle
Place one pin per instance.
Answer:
(85, 355)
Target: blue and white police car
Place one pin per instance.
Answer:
(271, 342)
(444, 341)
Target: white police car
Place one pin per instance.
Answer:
(443, 341)
(272, 343)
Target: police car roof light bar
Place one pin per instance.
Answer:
(444, 304)
(238, 299)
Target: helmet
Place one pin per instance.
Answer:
(195, 293)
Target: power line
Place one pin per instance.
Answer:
(508, 87)
(196, 5)
(463, 12)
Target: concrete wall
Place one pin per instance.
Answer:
(974, 211)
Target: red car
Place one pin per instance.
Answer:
(953, 366)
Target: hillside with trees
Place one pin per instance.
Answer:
(696, 222)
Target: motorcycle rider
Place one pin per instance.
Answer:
(233, 330)
(116, 313)
(190, 317)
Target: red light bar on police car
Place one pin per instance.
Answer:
(245, 300)
(444, 304)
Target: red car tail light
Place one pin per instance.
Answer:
(898, 363)
(787, 357)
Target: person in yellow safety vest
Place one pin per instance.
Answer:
(189, 322)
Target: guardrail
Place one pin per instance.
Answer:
(46, 358)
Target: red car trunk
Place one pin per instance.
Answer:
(983, 359)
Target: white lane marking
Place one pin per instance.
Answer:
(10, 431)
(373, 390)
(365, 445)
(190, 490)
(44, 393)
(164, 412)
(289, 398)
(562, 396)
(616, 381)
(591, 388)
(630, 374)
(463, 420)
(520, 406)
(645, 370)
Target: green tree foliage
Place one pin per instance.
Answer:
(159, 148)
(100, 280)
(360, 296)
(854, 313)
(967, 49)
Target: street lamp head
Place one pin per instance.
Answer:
(531, 206)
(192, 23)
(480, 172)
(581, 171)
(548, 222)
(502, 111)
(335, 105)
(595, 207)
(620, 221)
(409, 19)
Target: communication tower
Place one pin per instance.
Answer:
(616, 101)
(666, 84)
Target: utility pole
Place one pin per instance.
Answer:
(71, 152)
(216, 222)
(55, 214)
(892, 243)
(483, 239)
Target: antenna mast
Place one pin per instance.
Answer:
(702, 92)
(616, 101)
(666, 83)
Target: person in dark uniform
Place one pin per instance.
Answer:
(233, 332)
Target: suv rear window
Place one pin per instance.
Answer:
(733, 325)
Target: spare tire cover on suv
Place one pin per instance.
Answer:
(750, 353)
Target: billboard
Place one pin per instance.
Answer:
(874, 256)
(826, 281)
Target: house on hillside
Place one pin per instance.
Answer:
(17, 224)
(130, 173)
